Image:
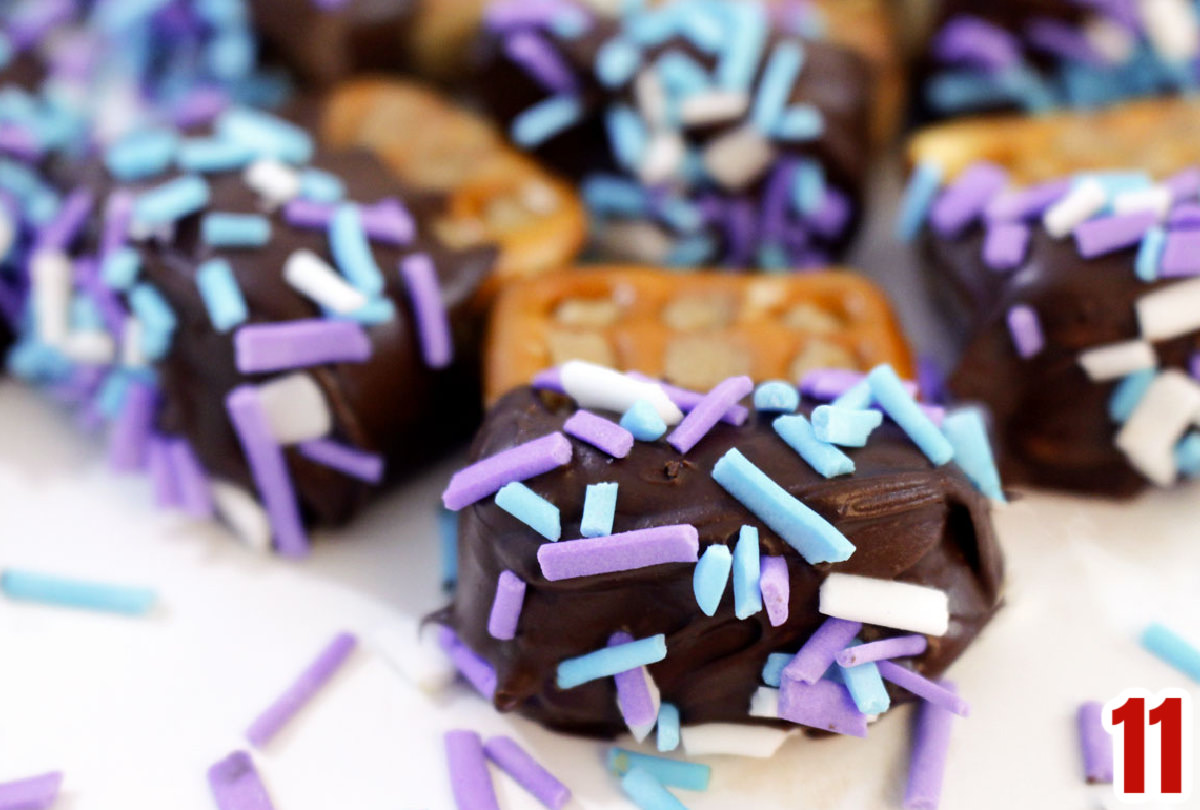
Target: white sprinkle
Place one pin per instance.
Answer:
(1157, 199)
(313, 277)
(50, 273)
(595, 386)
(635, 241)
(91, 347)
(730, 738)
(663, 157)
(8, 234)
(1109, 38)
(713, 107)
(899, 605)
(413, 652)
(765, 702)
(1170, 312)
(1117, 360)
(1172, 28)
(132, 355)
(276, 182)
(1148, 438)
(295, 408)
(651, 99)
(245, 517)
(738, 158)
(1082, 203)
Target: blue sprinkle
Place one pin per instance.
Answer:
(643, 421)
(801, 122)
(352, 250)
(375, 311)
(648, 793)
(1028, 89)
(36, 362)
(110, 399)
(531, 509)
(653, 27)
(31, 586)
(815, 538)
(1128, 393)
(268, 136)
(967, 434)
(888, 391)
(141, 155)
(599, 510)
(747, 595)
(710, 577)
(448, 542)
(231, 54)
(668, 727)
(776, 395)
(120, 268)
(823, 457)
(627, 134)
(157, 319)
(673, 772)
(744, 46)
(222, 295)
(704, 27)
(918, 198)
(866, 687)
(321, 186)
(681, 75)
(1115, 183)
(773, 256)
(171, 201)
(1173, 649)
(617, 61)
(857, 396)
(808, 187)
(691, 251)
(772, 673)
(6, 51)
(609, 661)
(211, 155)
(605, 194)
(1150, 253)
(681, 214)
(85, 314)
(546, 119)
(1187, 456)
(570, 23)
(235, 230)
(779, 76)
(847, 427)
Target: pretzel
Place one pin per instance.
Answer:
(693, 331)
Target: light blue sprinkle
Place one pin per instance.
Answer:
(704, 27)
(815, 538)
(681, 75)
(211, 155)
(141, 155)
(667, 727)
(448, 542)
(1027, 88)
(888, 391)
(235, 230)
(599, 510)
(691, 251)
(617, 61)
(546, 119)
(120, 268)
(85, 315)
(1173, 649)
(321, 186)
(856, 396)
(773, 256)
(866, 687)
(823, 457)
(171, 201)
(772, 673)
(605, 194)
(1115, 183)
(570, 23)
(808, 187)
(30, 586)
(647, 792)
(1128, 393)
(747, 595)
(110, 399)
(846, 427)
(222, 295)
(777, 396)
(710, 577)
(221, 12)
(268, 136)
(352, 251)
(608, 661)
(231, 54)
(744, 46)
(681, 214)
(6, 50)
(779, 76)
(653, 27)
(643, 421)
(157, 319)
(372, 313)
(531, 509)
(674, 772)
(918, 198)
(967, 433)
(1150, 253)
(627, 134)
(1187, 456)
(801, 122)
(36, 362)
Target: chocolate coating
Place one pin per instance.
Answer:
(909, 521)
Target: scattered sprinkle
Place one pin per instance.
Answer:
(670, 772)
(32, 586)
(514, 760)
(1095, 745)
(236, 785)
(469, 777)
(310, 681)
(1172, 648)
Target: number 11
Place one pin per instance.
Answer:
(1126, 720)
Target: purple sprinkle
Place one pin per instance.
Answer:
(965, 199)
(927, 766)
(829, 383)
(777, 198)
(299, 344)
(236, 785)
(315, 675)
(819, 652)
(1181, 256)
(776, 589)
(386, 221)
(331, 5)
(268, 467)
(31, 793)
(37, 20)
(360, 464)
(129, 441)
(1185, 184)
(58, 233)
(924, 688)
(686, 399)
(505, 16)
(199, 107)
(1185, 216)
(305, 213)
(544, 64)
(625, 551)
(1026, 330)
(1062, 40)
(823, 705)
(195, 490)
(516, 762)
(519, 463)
(548, 379)
(1028, 202)
(634, 699)
(832, 216)
(469, 776)
(1194, 366)
(972, 41)
(741, 229)
(1097, 237)
(162, 472)
(506, 607)
(19, 142)
(478, 672)
(716, 403)
(1095, 744)
(884, 650)
(433, 324)
(1005, 244)
(599, 432)
(118, 213)
(931, 379)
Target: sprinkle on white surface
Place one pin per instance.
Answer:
(595, 386)
(1148, 438)
(732, 739)
(899, 605)
(295, 409)
(1117, 360)
(245, 516)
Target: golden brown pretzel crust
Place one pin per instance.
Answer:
(496, 195)
(1160, 136)
(692, 330)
